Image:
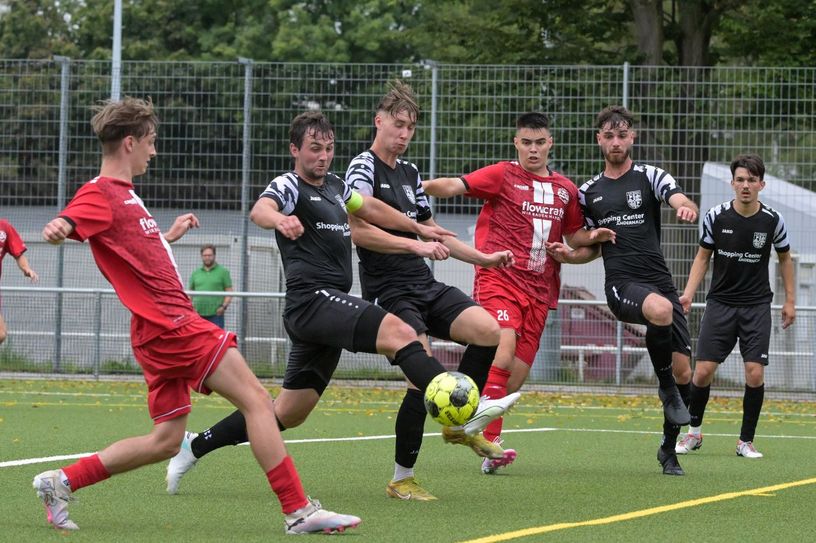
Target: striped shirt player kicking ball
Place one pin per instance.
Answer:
(739, 234)
(529, 208)
(176, 348)
(626, 197)
(308, 209)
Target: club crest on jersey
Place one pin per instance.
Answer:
(3, 236)
(759, 239)
(409, 192)
(564, 195)
(634, 199)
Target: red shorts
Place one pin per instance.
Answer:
(514, 309)
(179, 360)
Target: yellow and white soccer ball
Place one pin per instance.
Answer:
(451, 398)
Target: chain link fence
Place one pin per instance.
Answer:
(224, 135)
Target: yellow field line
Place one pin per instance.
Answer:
(507, 536)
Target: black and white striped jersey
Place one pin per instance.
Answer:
(401, 188)
(742, 250)
(630, 205)
(321, 257)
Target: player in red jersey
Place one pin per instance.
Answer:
(528, 209)
(12, 244)
(176, 348)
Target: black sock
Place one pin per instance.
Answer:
(230, 430)
(409, 427)
(751, 406)
(685, 392)
(476, 362)
(670, 433)
(697, 403)
(417, 366)
(659, 345)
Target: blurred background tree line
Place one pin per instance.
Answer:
(362, 43)
(654, 32)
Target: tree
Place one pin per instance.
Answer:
(36, 29)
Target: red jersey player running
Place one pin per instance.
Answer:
(528, 207)
(12, 244)
(176, 348)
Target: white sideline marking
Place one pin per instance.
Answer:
(26, 461)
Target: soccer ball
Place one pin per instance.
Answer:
(451, 398)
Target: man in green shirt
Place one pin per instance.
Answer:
(211, 276)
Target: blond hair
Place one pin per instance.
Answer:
(399, 98)
(114, 121)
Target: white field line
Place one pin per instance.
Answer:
(27, 461)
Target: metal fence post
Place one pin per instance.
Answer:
(625, 93)
(65, 75)
(245, 169)
(619, 351)
(97, 335)
(116, 52)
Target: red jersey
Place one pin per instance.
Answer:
(10, 242)
(522, 211)
(132, 254)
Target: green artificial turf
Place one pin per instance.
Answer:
(586, 471)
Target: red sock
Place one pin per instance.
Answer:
(285, 481)
(496, 387)
(86, 472)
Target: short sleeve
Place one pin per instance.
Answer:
(14, 243)
(780, 239)
(573, 214)
(485, 182)
(360, 174)
(283, 190)
(89, 212)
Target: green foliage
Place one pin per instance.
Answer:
(450, 31)
(761, 33)
(37, 29)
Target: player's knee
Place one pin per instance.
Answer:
(682, 374)
(658, 310)
(394, 334)
(290, 420)
(487, 331)
(3, 336)
(754, 374)
(166, 446)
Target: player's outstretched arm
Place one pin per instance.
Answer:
(687, 211)
(57, 230)
(786, 270)
(22, 263)
(444, 187)
(379, 213)
(266, 215)
(466, 253)
(182, 225)
(369, 236)
(698, 271)
(585, 237)
(561, 252)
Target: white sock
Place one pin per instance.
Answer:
(695, 430)
(401, 472)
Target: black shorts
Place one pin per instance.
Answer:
(724, 324)
(429, 308)
(626, 302)
(321, 324)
